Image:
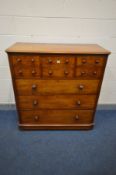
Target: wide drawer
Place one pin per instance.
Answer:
(56, 117)
(36, 87)
(57, 101)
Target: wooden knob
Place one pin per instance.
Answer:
(20, 72)
(35, 102)
(34, 86)
(36, 118)
(49, 61)
(81, 87)
(94, 73)
(33, 72)
(84, 61)
(78, 103)
(67, 61)
(83, 73)
(19, 60)
(50, 72)
(97, 61)
(66, 72)
(76, 117)
(32, 60)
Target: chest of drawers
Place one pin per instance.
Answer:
(56, 86)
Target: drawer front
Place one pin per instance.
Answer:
(26, 65)
(95, 60)
(56, 117)
(36, 87)
(57, 59)
(57, 71)
(27, 72)
(57, 102)
(25, 59)
(89, 72)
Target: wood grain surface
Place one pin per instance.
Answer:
(57, 86)
(57, 48)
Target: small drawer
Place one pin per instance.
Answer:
(25, 60)
(95, 60)
(57, 71)
(25, 72)
(56, 117)
(57, 102)
(57, 59)
(89, 72)
(36, 87)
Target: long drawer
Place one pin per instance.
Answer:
(36, 87)
(57, 102)
(56, 117)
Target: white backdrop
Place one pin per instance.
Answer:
(58, 21)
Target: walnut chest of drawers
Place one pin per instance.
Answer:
(56, 86)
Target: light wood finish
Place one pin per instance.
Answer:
(56, 86)
(57, 48)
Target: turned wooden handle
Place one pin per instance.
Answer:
(19, 60)
(49, 61)
(34, 86)
(32, 60)
(76, 117)
(36, 118)
(78, 102)
(97, 61)
(94, 73)
(83, 73)
(67, 61)
(50, 72)
(66, 72)
(84, 61)
(35, 102)
(81, 87)
(20, 72)
(33, 72)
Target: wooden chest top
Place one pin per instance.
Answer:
(58, 48)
